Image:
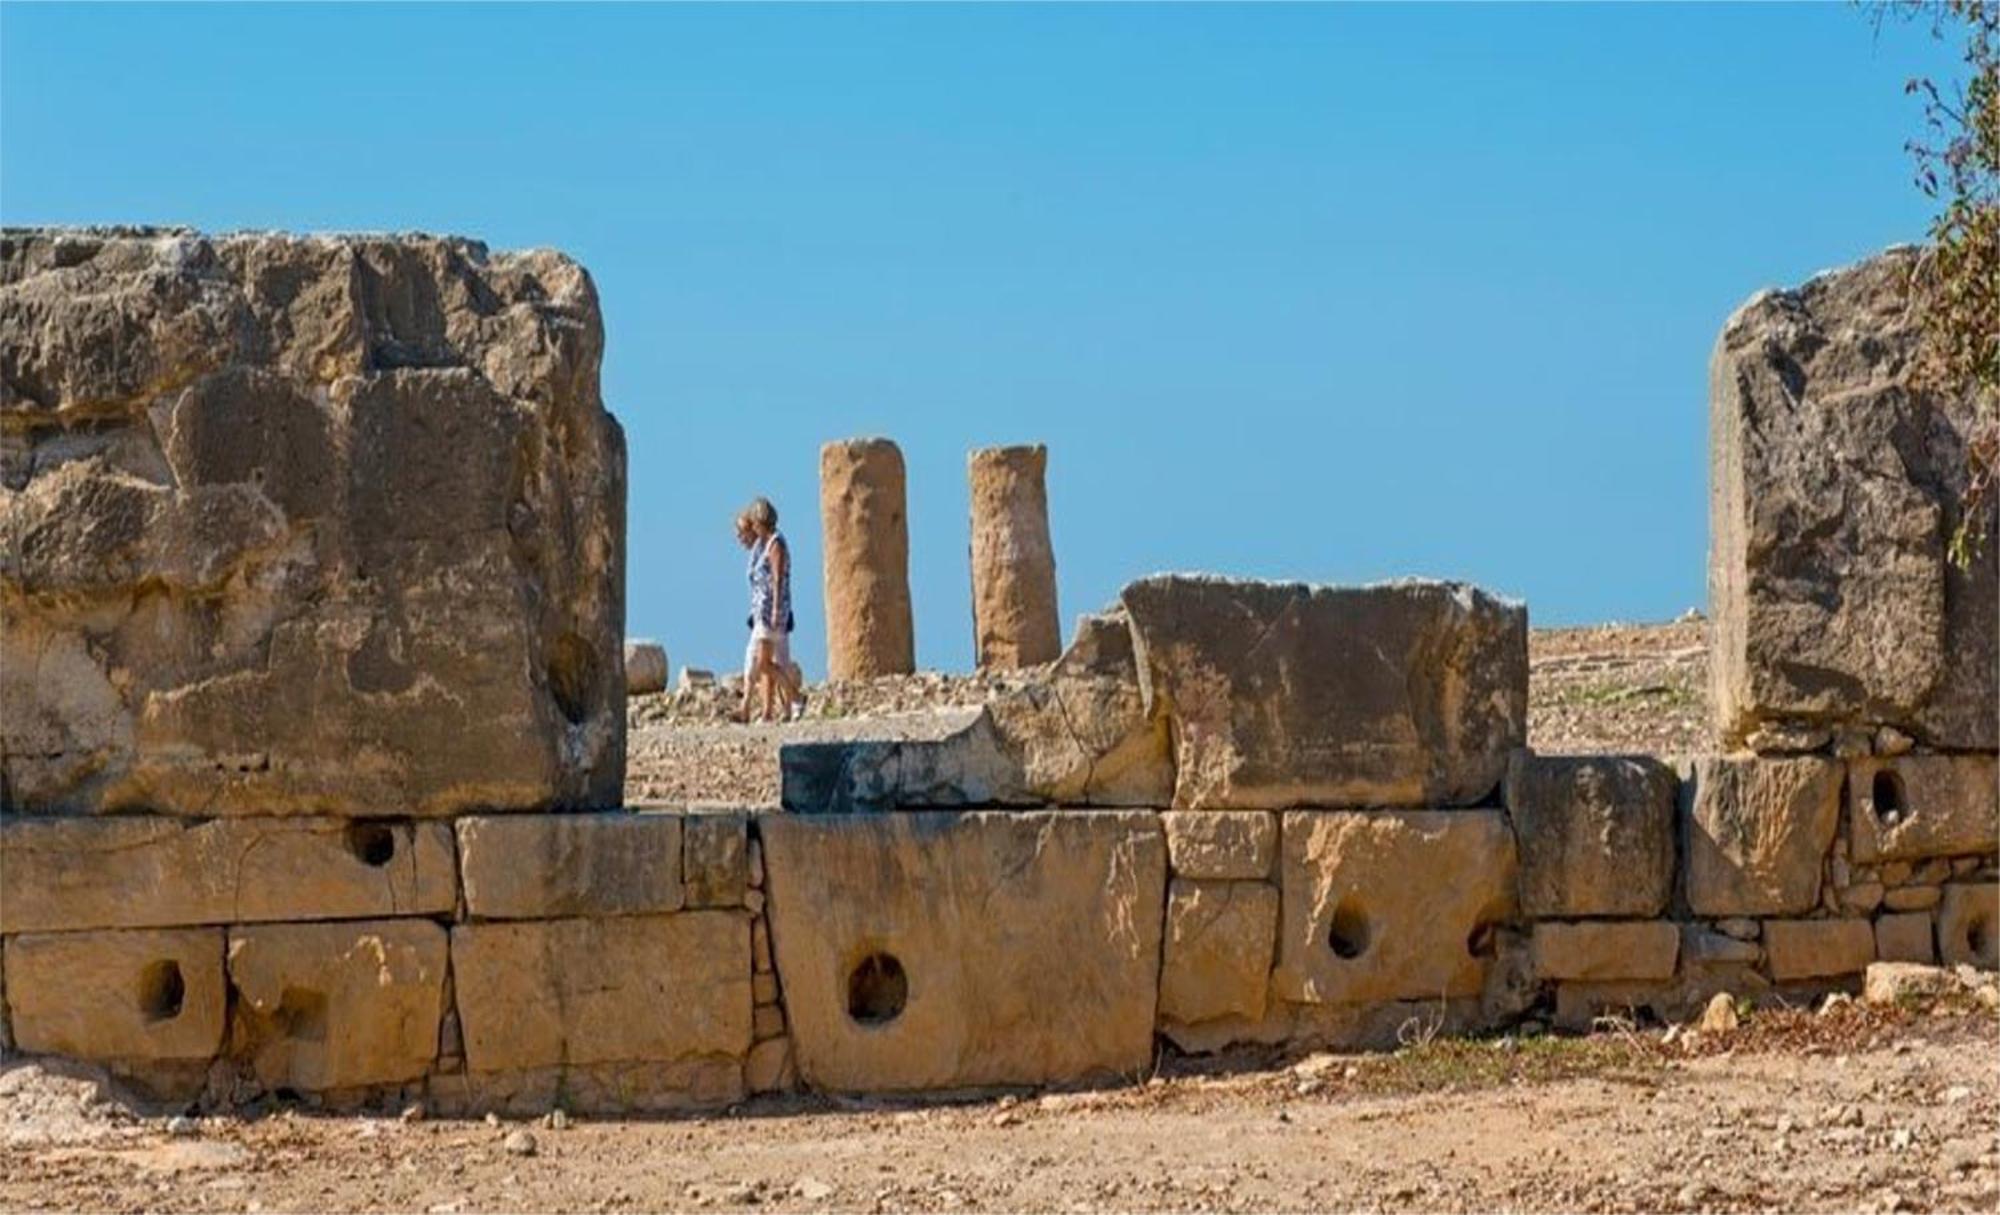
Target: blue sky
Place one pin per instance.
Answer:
(1335, 293)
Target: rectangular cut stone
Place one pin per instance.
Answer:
(717, 865)
(633, 989)
(1968, 925)
(1818, 949)
(1913, 806)
(1221, 844)
(1758, 832)
(547, 866)
(950, 758)
(307, 525)
(323, 1007)
(1596, 834)
(1605, 950)
(1282, 695)
(119, 872)
(953, 950)
(1905, 937)
(700, 1083)
(1391, 905)
(129, 998)
(1219, 941)
(1835, 489)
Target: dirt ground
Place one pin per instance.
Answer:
(1854, 1110)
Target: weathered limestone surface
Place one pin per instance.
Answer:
(717, 858)
(549, 866)
(1604, 950)
(1014, 618)
(1815, 949)
(1758, 831)
(1834, 493)
(1287, 695)
(130, 998)
(120, 872)
(1391, 905)
(959, 761)
(1220, 937)
(866, 551)
(579, 992)
(1905, 937)
(1596, 834)
(1968, 925)
(645, 667)
(325, 525)
(336, 1006)
(1916, 806)
(951, 950)
(1238, 844)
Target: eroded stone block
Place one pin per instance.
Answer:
(1596, 834)
(1283, 694)
(717, 852)
(1224, 844)
(119, 872)
(1391, 905)
(545, 866)
(1220, 937)
(635, 989)
(1605, 950)
(1905, 937)
(950, 950)
(123, 998)
(1835, 489)
(952, 759)
(1758, 832)
(321, 526)
(645, 668)
(1968, 925)
(652, 1087)
(1915, 806)
(337, 1006)
(1816, 949)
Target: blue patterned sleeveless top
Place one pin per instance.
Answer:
(770, 598)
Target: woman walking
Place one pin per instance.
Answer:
(768, 658)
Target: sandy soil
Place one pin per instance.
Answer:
(1856, 1110)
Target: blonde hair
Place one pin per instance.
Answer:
(760, 513)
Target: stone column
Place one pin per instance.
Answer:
(1014, 621)
(866, 562)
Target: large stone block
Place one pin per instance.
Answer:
(1834, 493)
(335, 1006)
(1915, 806)
(1391, 905)
(704, 1082)
(1234, 844)
(717, 858)
(574, 992)
(129, 999)
(1601, 950)
(1758, 831)
(1219, 941)
(123, 872)
(1282, 694)
(1817, 949)
(1596, 834)
(321, 526)
(948, 950)
(1968, 925)
(645, 668)
(1014, 618)
(1905, 937)
(548, 866)
(951, 758)
(865, 545)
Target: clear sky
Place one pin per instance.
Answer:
(1334, 293)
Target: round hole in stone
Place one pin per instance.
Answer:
(1351, 932)
(1886, 793)
(573, 677)
(877, 989)
(373, 844)
(1482, 941)
(162, 991)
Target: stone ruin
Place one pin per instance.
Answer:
(312, 734)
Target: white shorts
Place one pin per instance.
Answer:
(781, 649)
